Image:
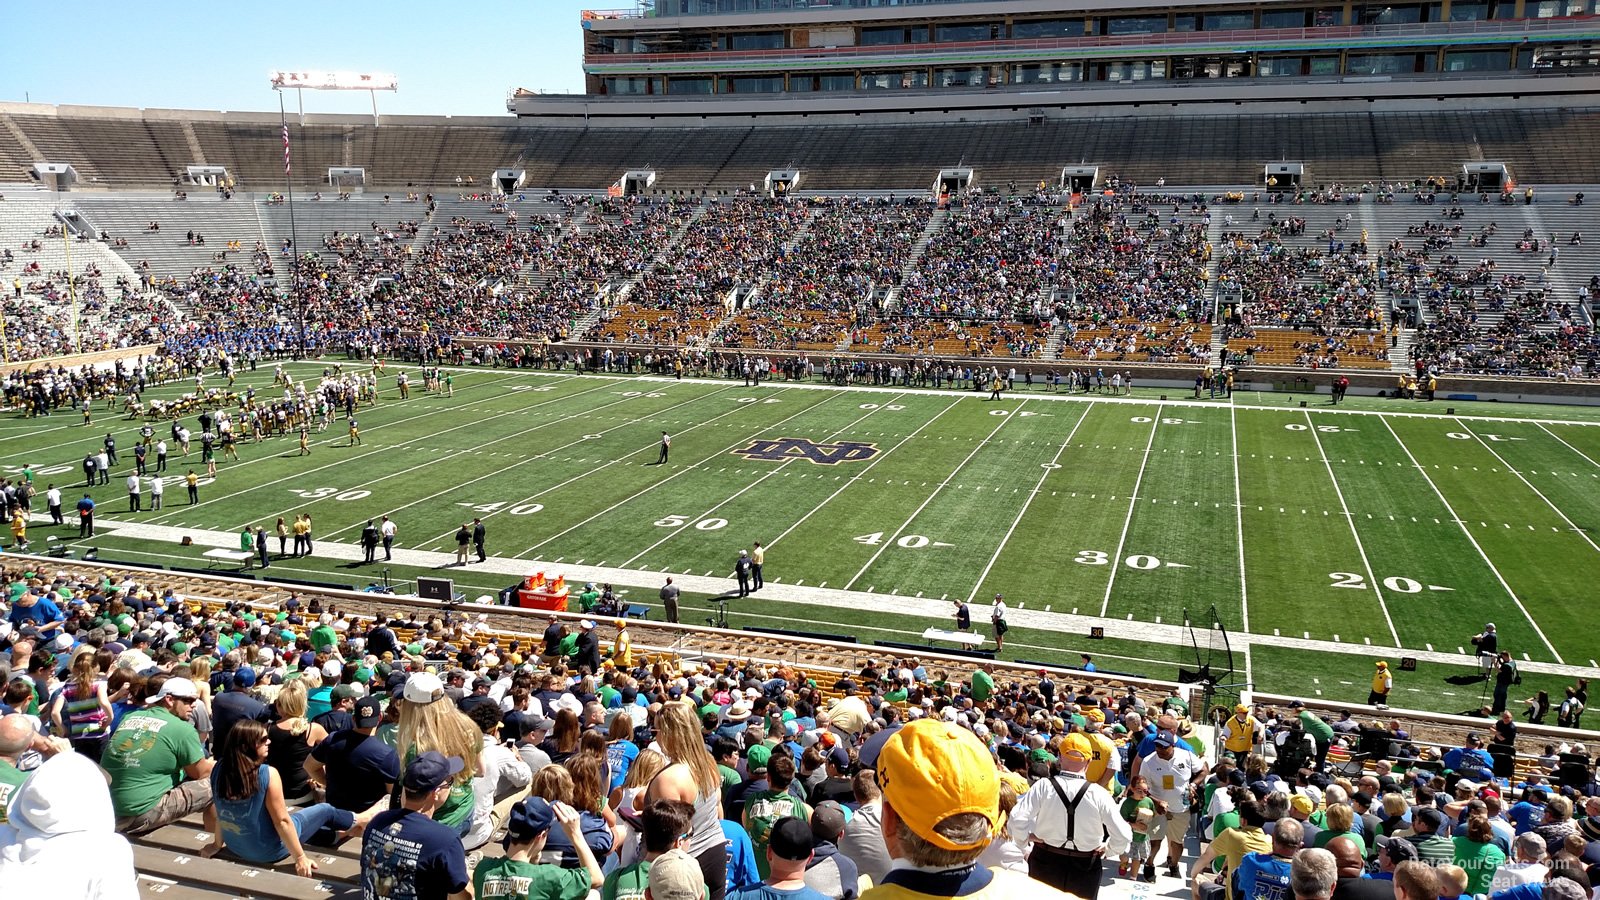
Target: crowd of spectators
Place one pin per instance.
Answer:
(291, 726)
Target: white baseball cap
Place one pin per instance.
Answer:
(423, 687)
(181, 688)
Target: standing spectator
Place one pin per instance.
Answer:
(153, 749)
(252, 819)
(405, 846)
(192, 482)
(997, 617)
(369, 542)
(1170, 771)
(388, 531)
(479, 535)
(519, 876)
(669, 599)
(758, 557)
(261, 546)
(81, 709)
(135, 492)
(763, 810)
(86, 519)
(237, 704)
(693, 778)
(830, 872)
(1071, 823)
(52, 497)
(741, 571)
(463, 540)
(158, 489)
(863, 840)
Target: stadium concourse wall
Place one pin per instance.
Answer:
(1177, 376)
(97, 359)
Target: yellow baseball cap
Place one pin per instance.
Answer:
(931, 770)
(1077, 743)
(1241, 708)
(1302, 804)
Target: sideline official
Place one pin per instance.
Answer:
(1072, 823)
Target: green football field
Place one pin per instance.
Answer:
(1349, 533)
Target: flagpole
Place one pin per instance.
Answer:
(294, 239)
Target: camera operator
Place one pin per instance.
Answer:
(1487, 642)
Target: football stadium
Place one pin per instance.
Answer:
(1200, 389)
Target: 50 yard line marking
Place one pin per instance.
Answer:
(937, 489)
(1054, 462)
(674, 532)
(1133, 500)
(857, 477)
(686, 470)
(1354, 532)
(1474, 541)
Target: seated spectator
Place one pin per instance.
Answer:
(59, 838)
(676, 876)
(1527, 868)
(789, 848)
(1353, 883)
(664, 826)
(1415, 881)
(158, 768)
(406, 846)
(1265, 876)
(355, 769)
(831, 873)
(519, 876)
(1312, 874)
(252, 820)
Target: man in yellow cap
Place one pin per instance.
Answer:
(1072, 823)
(1241, 733)
(1382, 684)
(941, 808)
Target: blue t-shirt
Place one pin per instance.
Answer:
(1533, 891)
(741, 856)
(1263, 876)
(760, 891)
(408, 856)
(1525, 815)
(38, 614)
(619, 758)
(360, 768)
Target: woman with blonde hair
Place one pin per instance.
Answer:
(556, 784)
(693, 778)
(429, 721)
(82, 710)
(645, 767)
(293, 736)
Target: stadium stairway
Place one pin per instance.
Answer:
(25, 219)
(936, 222)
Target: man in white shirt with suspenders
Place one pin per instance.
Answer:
(1073, 825)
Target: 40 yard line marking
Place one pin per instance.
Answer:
(1354, 532)
(1474, 541)
(674, 532)
(875, 460)
(1133, 499)
(1054, 465)
(940, 487)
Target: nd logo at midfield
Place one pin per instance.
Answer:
(782, 449)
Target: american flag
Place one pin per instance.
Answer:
(285, 149)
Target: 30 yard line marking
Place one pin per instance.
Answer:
(1354, 532)
(1474, 541)
(1054, 466)
(939, 487)
(684, 471)
(674, 532)
(1520, 477)
(877, 459)
(1122, 541)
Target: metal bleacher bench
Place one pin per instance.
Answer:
(239, 558)
(968, 639)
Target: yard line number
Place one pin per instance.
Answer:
(323, 493)
(520, 509)
(676, 521)
(1136, 561)
(1396, 583)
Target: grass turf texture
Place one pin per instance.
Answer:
(1127, 509)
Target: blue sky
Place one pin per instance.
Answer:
(451, 59)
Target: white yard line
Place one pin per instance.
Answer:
(684, 471)
(1366, 564)
(1238, 512)
(587, 472)
(674, 532)
(1474, 541)
(1055, 463)
(1567, 445)
(323, 443)
(1520, 477)
(889, 541)
(504, 469)
(856, 478)
(1133, 500)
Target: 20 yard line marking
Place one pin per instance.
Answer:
(674, 532)
(1354, 532)
(940, 487)
(1054, 466)
(877, 459)
(1474, 541)
(1133, 499)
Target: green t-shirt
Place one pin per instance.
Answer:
(626, 883)
(146, 758)
(1130, 814)
(509, 879)
(898, 695)
(1328, 834)
(324, 637)
(982, 689)
(588, 599)
(730, 777)
(11, 778)
(1315, 727)
(1480, 861)
(762, 810)
(457, 806)
(568, 646)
